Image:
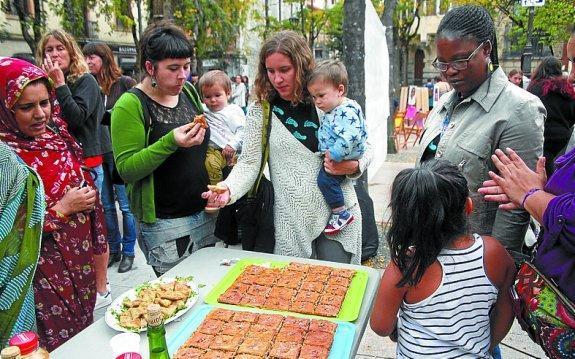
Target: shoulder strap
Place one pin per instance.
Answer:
(189, 90)
(266, 129)
(193, 95)
(144, 103)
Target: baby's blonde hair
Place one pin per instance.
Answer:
(215, 77)
(331, 71)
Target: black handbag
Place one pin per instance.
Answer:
(255, 213)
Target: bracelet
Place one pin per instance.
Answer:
(529, 193)
(57, 214)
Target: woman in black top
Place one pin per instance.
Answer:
(558, 97)
(103, 67)
(160, 153)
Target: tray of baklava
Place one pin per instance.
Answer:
(213, 332)
(314, 290)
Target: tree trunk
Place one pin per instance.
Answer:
(37, 26)
(394, 87)
(267, 18)
(311, 38)
(167, 10)
(354, 54)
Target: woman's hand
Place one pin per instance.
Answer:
(514, 181)
(219, 197)
(75, 200)
(54, 71)
(346, 167)
(189, 135)
(494, 193)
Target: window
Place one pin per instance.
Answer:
(9, 7)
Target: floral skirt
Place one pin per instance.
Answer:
(64, 286)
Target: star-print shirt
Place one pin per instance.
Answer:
(301, 120)
(342, 132)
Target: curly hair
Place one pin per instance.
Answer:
(78, 65)
(294, 46)
(470, 21)
(110, 71)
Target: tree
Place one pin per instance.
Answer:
(32, 23)
(394, 84)
(406, 21)
(550, 23)
(214, 24)
(122, 10)
(310, 21)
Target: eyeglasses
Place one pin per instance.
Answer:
(457, 64)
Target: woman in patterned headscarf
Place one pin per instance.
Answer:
(21, 215)
(65, 280)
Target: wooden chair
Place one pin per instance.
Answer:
(398, 127)
(415, 127)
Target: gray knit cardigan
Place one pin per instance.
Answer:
(300, 212)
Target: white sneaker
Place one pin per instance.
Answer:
(103, 300)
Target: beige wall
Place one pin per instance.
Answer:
(16, 43)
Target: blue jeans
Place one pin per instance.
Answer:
(98, 177)
(330, 187)
(169, 241)
(110, 193)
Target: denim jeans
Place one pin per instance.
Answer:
(98, 177)
(110, 193)
(161, 241)
(330, 187)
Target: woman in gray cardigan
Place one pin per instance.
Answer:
(294, 162)
(482, 113)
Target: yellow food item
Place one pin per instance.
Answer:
(170, 296)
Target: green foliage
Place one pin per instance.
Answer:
(214, 24)
(72, 15)
(550, 23)
(334, 28)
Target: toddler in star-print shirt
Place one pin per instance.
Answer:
(342, 133)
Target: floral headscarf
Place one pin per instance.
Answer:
(15, 75)
(55, 154)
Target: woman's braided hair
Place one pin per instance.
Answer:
(470, 21)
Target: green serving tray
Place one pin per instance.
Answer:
(349, 309)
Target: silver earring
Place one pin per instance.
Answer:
(154, 83)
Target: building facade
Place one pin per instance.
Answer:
(113, 33)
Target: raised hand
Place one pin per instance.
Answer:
(54, 71)
(189, 135)
(514, 180)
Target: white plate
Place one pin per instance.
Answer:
(131, 294)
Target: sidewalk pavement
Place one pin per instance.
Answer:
(516, 345)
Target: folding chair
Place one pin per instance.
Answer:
(414, 127)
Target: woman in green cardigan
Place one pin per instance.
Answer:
(160, 153)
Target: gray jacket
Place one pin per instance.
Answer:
(498, 115)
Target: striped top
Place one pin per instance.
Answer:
(454, 321)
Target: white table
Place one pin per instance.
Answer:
(204, 265)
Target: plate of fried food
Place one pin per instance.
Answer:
(127, 313)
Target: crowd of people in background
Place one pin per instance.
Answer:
(76, 136)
